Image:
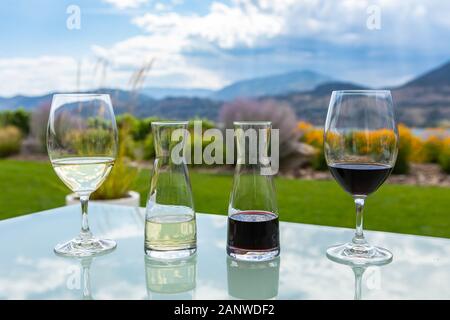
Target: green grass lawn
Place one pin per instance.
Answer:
(31, 186)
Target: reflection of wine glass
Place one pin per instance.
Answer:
(360, 144)
(84, 279)
(171, 279)
(253, 280)
(358, 271)
(86, 268)
(82, 146)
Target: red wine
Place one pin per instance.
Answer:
(253, 231)
(360, 178)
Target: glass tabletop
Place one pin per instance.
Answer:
(30, 270)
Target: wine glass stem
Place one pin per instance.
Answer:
(85, 232)
(359, 235)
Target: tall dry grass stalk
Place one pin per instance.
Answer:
(122, 176)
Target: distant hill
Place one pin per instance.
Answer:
(272, 85)
(139, 104)
(174, 108)
(437, 77)
(161, 93)
(424, 101)
(312, 105)
(25, 102)
(327, 88)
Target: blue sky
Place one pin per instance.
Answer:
(209, 44)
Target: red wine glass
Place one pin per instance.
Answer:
(360, 146)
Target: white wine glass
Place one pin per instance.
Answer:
(82, 147)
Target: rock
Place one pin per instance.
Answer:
(300, 155)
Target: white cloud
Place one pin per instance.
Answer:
(44, 74)
(227, 26)
(34, 277)
(37, 75)
(126, 4)
(159, 6)
(170, 67)
(172, 39)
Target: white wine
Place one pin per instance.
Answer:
(83, 175)
(167, 232)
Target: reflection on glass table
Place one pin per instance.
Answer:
(253, 280)
(30, 269)
(80, 278)
(171, 280)
(358, 271)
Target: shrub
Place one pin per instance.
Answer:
(432, 148)
(138, 128)
(122, 176)
(18, 118)
(38, 126)
(304, 126)
(365, 144)
(10, 141)
(280, 114)
(149, 147)
(142, 128)
(91, 141)
(314, 137)
(206, 124)
(444, 156)
(404, 150)
(319, 162)
(417, 152)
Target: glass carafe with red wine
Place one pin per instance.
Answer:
(360, 145)
(253, 232)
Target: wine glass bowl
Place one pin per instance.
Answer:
(360, 147)
(82, 147)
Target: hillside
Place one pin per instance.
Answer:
(424, 101)
(272, 85)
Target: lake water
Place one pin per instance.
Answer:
(425, 132)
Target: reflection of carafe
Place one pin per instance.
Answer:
(174, 280)
(253, 280)
(170, 226)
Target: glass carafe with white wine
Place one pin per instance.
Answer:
(82, 146)
(170, 227)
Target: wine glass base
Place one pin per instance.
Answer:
(359, 254)
(85, 247)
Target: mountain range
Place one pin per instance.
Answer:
(423, 101)
(272, 85)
